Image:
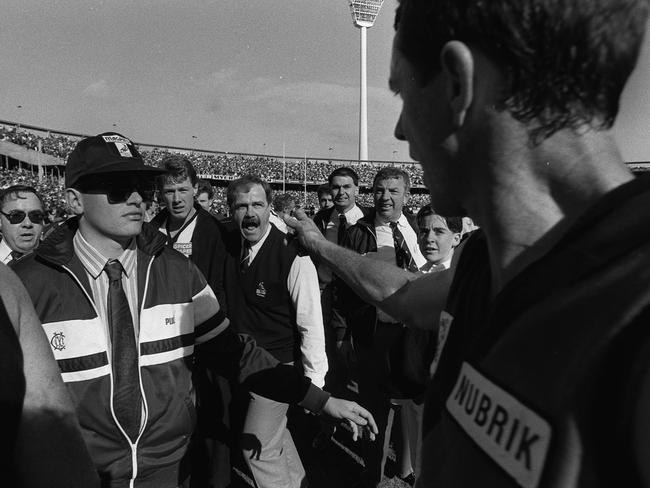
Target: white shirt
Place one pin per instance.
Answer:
(302, 284)
(352, 214)
(386, 249)
(276, 220)
(5, 252)
(429, 267)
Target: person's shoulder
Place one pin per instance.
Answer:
(13, 294)
(323, 215)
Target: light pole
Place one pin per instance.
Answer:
(364, 13)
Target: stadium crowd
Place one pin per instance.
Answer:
(151, 340)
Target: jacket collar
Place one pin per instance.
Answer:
(57, 248)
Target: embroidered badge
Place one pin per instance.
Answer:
(58, 341)
(513, 435)
(184, 247)
(261, 291)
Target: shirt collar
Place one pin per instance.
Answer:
(256, 247)
(353, 213)
(401, 221)
(5, 252)
(94, 262)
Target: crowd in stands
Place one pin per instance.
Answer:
(221, 165)
(216, 166)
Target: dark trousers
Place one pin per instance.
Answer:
(375, 393)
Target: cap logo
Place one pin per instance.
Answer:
(116, 139)
(124, 150)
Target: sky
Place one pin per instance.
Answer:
(252, 76)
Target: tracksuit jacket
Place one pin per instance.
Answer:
(178, 312)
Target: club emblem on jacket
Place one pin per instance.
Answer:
(261, 291)
(57, 341)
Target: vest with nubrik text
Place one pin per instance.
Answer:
(259, 303)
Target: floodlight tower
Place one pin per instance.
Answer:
(364, 13)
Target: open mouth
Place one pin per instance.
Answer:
(250, 225)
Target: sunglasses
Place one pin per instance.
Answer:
(17, 216)
(119, 191)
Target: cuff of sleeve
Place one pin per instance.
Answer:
(315, 399)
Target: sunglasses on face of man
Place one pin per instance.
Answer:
(18, 216)
(119, 190)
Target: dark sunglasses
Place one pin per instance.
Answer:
(17, 216)
(120, 191)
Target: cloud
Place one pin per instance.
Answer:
(99, 89)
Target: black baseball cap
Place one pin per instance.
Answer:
(106, 153)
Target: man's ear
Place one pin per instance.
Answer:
(458, 66)
(75, 201)
(456, 241)
(195, 189)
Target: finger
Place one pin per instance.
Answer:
(355, 430)
(368, 418)
(370, 433)
(300, 214)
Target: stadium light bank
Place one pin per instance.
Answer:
(364, 13)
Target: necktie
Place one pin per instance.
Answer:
(246, 253)
(403, 257)
(127, 401)
(342, 226)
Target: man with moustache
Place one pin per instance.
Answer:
(125, 315)
(272, 294)
(508, 106)
(21, 222)
(389, 236)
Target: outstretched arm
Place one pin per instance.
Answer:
(416, 300)
(49, 451)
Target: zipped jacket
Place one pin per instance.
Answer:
(178, 312)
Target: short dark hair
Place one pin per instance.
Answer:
(282, 201)
(205, 187)
(455, 224)
(178, 168)
(15, 190)
(247, 181)
(323, 189)
(344, 171)
(389, 172)
(565, 62)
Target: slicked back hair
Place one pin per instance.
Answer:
(565, 61)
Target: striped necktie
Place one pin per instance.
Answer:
(403, 257)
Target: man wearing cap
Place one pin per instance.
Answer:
(21, 222)
(124, 313)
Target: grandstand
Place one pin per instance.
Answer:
(36, 156)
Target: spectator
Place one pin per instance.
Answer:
(21, 222)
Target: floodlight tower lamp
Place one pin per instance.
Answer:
(364, 13)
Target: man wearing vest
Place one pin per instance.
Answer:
(272, 294)
(544, 371)
(192, 230)
(124, 313)
(389, 236)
